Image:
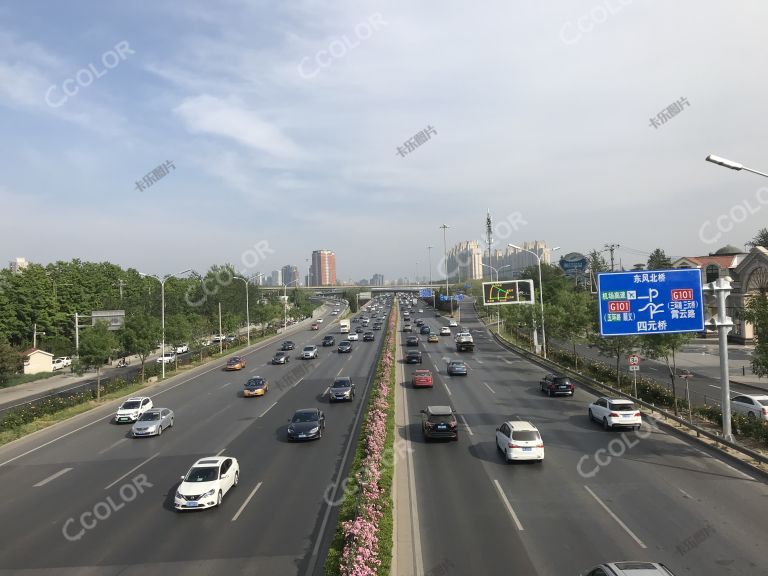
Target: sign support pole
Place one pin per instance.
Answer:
(722, 288)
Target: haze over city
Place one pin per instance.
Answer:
(165, 136)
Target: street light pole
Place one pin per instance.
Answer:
(445, 250)
(731, 164)
(541, 294)
(162, 308)
(247, 309)
(285, 303)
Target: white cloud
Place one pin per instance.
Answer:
(228, 118)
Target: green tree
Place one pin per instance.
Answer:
(597, 263)
(569, 317)
(666, 346)
(140, 336)
(617, 347)
(9, 361)
(760, 239)
(96, 346)
(658, 260)
(178, 332)
(756, 313)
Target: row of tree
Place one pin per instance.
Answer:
(571, 315)
(44, 299)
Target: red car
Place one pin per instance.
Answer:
(422, 379)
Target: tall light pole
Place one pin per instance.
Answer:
(445, 251)
(162, 306)
(285, 302)
(541, 294)
(247, 305)
(731, 164)
(429, 256)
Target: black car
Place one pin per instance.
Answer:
(329, 340)
(439, 422)
(377, 326)
(424, 329)
(413, 357)
(419, 322)
(368, 337)
(344, 346)
(359, 329)
(281, 358)
(306, 424)
(412, 341)
(554, 384)
(342, 389)
(287, 345)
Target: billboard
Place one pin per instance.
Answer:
(115, 319)
(508, 292)
(650, 302)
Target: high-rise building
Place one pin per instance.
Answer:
(510, 262)
(377, 280)
(464, 261)
(18, 265)
(323, 269)
(290, 275)
(275, 278)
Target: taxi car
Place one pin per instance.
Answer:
(235, 363)
(256, 386)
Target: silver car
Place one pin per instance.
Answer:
(629, 569)
(153, 422)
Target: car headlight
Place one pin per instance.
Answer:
(210, 492)
(179, 496)
(290, 430)
(314, 430)
(151, 428)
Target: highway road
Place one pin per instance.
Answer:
(597, 496)
(276, 521)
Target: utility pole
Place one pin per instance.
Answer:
(489, 236)
(445, 250)
(221, 339)
(611, 248)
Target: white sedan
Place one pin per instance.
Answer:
(206, 483)
(167, 358)
(615, 413)
(445, 331)
(453, 323)
(58, 364)
(751, 405)
(353, 336)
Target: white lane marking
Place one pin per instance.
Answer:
(108, 448)
(415, 524)
(507, 361)
(478, 361)
(220, 452)
(618, 520)
(685, 493)
(340, 371)
(489, 388)
(508, 505)
(736, 470)
(447, 389)
(251, 495)
(52, 477)
(225, 385)
(327, 391)
(713, 386)
(467, 425)
(268, 409)
(132, 470)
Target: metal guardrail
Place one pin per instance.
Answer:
(597, 386)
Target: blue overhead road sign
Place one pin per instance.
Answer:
(426, 293)
(650, 302)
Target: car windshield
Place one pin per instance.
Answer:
(304, 417)
(763, 400)
(148, 416)
(255, 383)
(622, 406)
(234, 360)
(341, 384)
(457, 364)
(309, 348)
(525, 435)
(206, 474)
(443, 419)
(562, 380)
(133, 404)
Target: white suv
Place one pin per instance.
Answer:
(615, 413)
(167, 358)
(131, 409)
(519, 440)
(309, 352)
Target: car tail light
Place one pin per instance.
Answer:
(539, 445)
(511, 445)
(637, 413)
(453, 424)
(613, 415)
(765, 411)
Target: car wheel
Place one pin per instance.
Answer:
(750, 415)
(237, 479)
(591, 417)
(606, 426)
(171, 425)
(549, 392)
(160, 429)
(218, 501)
(320, 433)
(637, 427)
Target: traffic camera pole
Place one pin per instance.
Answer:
(722, 288)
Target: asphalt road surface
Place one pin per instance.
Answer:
(597, 496)
(277, 521)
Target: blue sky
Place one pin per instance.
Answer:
(283, 122)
